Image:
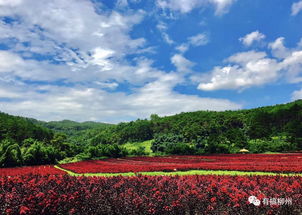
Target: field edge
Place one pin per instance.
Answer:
(181, 173)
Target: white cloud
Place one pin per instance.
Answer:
(196, 40)
(121, 3)
(252, 37)
(162, 27)
(293, 65)
(13, 65)
(112, 85)
(182, 48)
(74, 23)
(291, 59)
(87, 45)
(85, 103)
(199, 40)
(186, 6)
(182, 64)
(297, 95)
(252, 68)
(87, 51)
(101, 57)
(246, 69)
(294, 58)
(167, 38)
(296, 8)
(278, 48)
(9, 61)
(10, 2)
(4, 93)
(246, 57)
(183, 6)
(160, 97)
(222, 6)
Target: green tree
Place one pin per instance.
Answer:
(10, 154)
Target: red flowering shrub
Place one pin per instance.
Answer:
(249, 162)
(38, 170)
(63, 194)
(24, 210)
(46, 190)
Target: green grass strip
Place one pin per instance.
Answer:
(189, 172)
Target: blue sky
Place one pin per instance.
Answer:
(119, 60)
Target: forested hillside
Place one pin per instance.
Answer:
(25, 141)
(276, 128)
(70, 127)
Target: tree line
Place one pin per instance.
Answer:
(276, 128)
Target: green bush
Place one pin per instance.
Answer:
(222, 148)
(104, 150)
(162, 142)
(180, 149)
(10, 154)
(38, 153)
(140, 151)
(278, 144)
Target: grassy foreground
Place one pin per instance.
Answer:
(189, 172)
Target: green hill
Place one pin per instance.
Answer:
(71, 127)
(19, 128)
(277, 128)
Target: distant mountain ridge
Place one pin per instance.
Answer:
(69, 126)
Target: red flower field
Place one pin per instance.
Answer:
(62, 194)
(249, 162)
(37, 170)
(48, 190)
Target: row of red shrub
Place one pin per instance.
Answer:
(250, 162)
(63, 194)
(38, 170)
